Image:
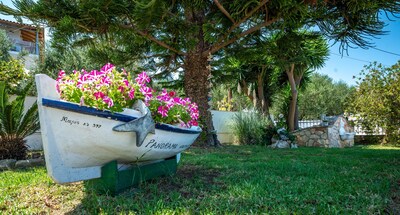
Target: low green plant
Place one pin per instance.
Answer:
(252, 128)
(15, 124)
(375, 104)
(12, 73)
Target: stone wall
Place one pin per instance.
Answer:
(313, 136)
(324, 136)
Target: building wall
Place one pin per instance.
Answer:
(30, 60)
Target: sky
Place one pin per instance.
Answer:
(343, 67)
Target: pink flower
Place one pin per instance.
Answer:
(142, 79)
(61, 74)
(108, 101)
(178, 100)
(96, 73)
(105, 80)
(99, 95)
(58, 88)
(193, 123)
(147, 92)
(163, 110)
(131, 93)
(82, 101)
(121, 89)
(124, 72)
(172, 94)
(107, 68)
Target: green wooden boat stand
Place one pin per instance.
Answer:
(114, 181)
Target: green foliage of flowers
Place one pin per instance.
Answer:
(109, 89)
(376, 101)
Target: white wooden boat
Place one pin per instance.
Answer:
(78, 140)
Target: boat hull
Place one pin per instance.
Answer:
(78, 140)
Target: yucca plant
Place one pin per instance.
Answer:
(15, 124)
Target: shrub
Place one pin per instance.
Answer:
(14, 148)
(375, 104)
(15, 125)
(251, 128)
(13, 74)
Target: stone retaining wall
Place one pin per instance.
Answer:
(324, 136)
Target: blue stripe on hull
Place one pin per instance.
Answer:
(107, 114)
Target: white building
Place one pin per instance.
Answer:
(25, 37)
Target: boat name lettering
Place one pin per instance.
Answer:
(153, 144)
(69, 121)
(77, 122)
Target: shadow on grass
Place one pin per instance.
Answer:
(250, 179)
(174, 193)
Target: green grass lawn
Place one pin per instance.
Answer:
(233, 180)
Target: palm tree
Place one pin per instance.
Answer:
(253, 70)
(298, 52)
(15, 125)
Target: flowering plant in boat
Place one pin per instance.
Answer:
(110, 89)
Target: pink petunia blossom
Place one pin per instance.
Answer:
(131, 93)
(121, 89)
(108, 101)
(82, 101)
(163, 110)
(147, 92)
(61, 74)
(107, 68)
(178, 100)
(193, 123)
(95, 73)
(172, 93)
(105, 81)
(99, 95)
(142, 79)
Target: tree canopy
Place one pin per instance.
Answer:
(375, 104)
(183, 33)
(323, 96)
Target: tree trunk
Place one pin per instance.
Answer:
(263, 107)
(196, 83)
(245, 90)
(293, 101)
(296, 115)
(196, 86)
(296, 118)
(229, 95)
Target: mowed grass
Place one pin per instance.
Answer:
(231, 180)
